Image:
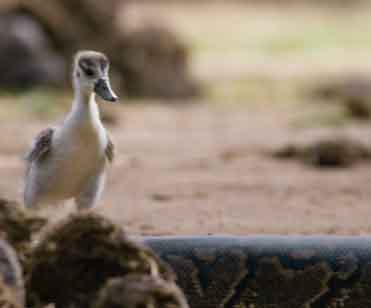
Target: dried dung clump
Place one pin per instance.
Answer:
(154, 63)
(75, 258)
(144, 291)
(352, 93)
(18, 226)
(358, 107)
(338, 152)
(334, 88)
(11, 281)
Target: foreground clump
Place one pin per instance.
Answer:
(17, 226)
(338, 152)
(140, 291)
(75, 258)
(11, 280)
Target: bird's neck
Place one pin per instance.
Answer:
(85, 109)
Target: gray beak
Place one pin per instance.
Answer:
(103, 89)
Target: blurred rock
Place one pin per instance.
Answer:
(336, 152)
(144, 291)
(12, 291)
(145, 62)
(74, 259)
(26, 56)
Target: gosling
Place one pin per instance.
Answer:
(70, 161)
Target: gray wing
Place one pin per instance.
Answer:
(110, 149)
(41, 147)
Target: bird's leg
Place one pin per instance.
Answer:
(88, 198)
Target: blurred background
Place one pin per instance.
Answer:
(236, 117)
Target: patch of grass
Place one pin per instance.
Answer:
(275, 32)
(316, 39)
(328, 116)
(273, 42)
(41, 103)
(253, 90)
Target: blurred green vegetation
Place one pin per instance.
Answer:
(44, 103)
(41, 103)
(303, 39)
(254, 90)
(271, 53)
(328, 115)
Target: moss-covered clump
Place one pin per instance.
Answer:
(336, 152)
(358, 107)
(140, 291)
(154, 63)
(11, 279)
(342, 88)
(74, 259)
(18, 226)
(352, 93)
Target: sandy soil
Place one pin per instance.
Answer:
(202, 169)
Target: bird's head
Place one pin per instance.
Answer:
(90, 74)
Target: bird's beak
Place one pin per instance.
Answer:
(104, 90)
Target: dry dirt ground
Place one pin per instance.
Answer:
(202, 169)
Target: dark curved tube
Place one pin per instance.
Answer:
(270, 271)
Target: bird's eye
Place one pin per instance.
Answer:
(89, 72)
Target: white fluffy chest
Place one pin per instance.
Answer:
(82, 148)
(78, 155)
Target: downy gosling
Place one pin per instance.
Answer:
(70, 161)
